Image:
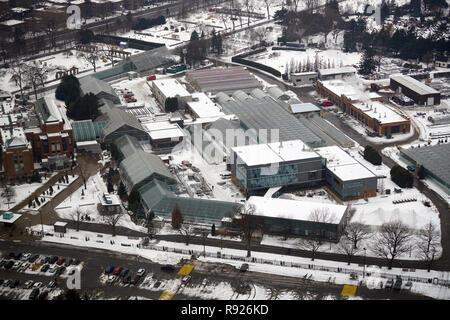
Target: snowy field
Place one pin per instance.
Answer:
(88, 204)
(130, 246)
(280, 59)
(21, 191)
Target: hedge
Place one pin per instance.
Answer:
(240, 59)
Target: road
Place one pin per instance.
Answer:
(94, 262)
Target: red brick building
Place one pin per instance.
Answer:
(17, 153)
(52, 140)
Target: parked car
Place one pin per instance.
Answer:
(186, 279)
(47, 259)
(167, 267)
(53, 259)
(117, 271)
(45, 267)
(18, 256)
(327, 103)
(25, 257)
(60, 261)
(7, 283)
(34, 293)
(75, 262)
(151, 77)
(111, 279)
(53, 269)
(51, 284)
(244, 267)
(60, 271)
(37, 285)
(3, 262)
(124, 272)
(389, 284)
(127, 279)
(16, 265)
(24, 266)
(68, 262)
(398, 284)
(411, 168)
(109, 269)
(140, 272)
(28, 284)
(408, 286)
(9, 264)
(33, 258)
(11, 255)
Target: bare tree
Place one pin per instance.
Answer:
(17, 69)
(268, 3)
(108, 52)
(187, 231)
(248, 224)
(76, 216)
(91, 57)
(356, 231)
(347, 247)
(112, 220)
(313, 242)
(35, 74)
(8, 193)
(429, 247)
(392, 240)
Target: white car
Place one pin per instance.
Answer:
(186, 279)
(24, 266)
(111, 279)
(26, 256)
(16, 265)
(37, 285)
(140, 272)
(28, 284)
(53, 269)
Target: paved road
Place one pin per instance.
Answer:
(95, 260)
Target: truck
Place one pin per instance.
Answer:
(176, 68)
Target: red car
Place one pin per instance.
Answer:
(151, 77)
(133, 99)
(327, 103)
(117, 270)
(127, 96)
(60, 261)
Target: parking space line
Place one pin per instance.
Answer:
(186, 270)
(348, 291)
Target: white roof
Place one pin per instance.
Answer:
(11, 22)
(340, 87)
(413, 84)
(343, 165)
(163, 130)
(16, 138)
(204, 107)
(60, 224)
(295, 209)
(276, 152)
(171, 87)
(380, 111)
(12, 220)
(331, 71)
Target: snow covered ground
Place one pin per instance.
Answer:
(88, 204)
(130, 246)
(327, 58)
(22, 191)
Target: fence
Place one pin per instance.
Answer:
(306, 266)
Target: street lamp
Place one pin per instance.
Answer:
(364, 272)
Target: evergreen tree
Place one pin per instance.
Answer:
(122, 192)
(368, 65)
(421, 172)
(134, 199)
(68, 89)
(85, 108)
(171, 104)
(194, 36)
(213, 229)
(372, 155)
(177, 217)
(110, 187)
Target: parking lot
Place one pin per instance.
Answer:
(34, 276)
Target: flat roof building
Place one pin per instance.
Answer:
(416, 90)
(300, 218)
(225, 80)
(336, 73)
(169, 88)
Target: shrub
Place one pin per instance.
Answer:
(402, 177)
(372, 155)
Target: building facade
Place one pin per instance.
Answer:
(416, 90)
(17, 154)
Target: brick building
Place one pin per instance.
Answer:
(52, 140)
(17, 153)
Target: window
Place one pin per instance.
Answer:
(53, 147)
(45, 143)
(58, 146)
(64, 144)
